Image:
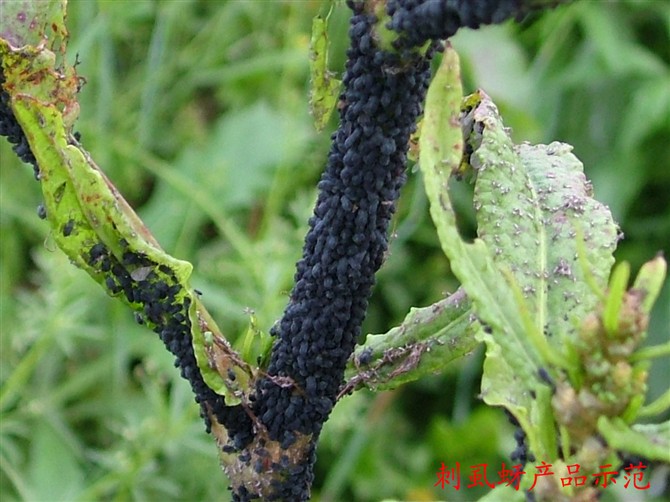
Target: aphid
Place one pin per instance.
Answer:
(130, 293)
(161, 290)
(173, 308)
(289, 439)
(519, 435)
(186, 371)
(138, 318)
(129, 258)
(68, 227)
(113, 287)
(310, 385)
(365, 357)
(41, 211)
(121, 274)
(546, 378)
(97, 251)
(153, 312)
(258, 466)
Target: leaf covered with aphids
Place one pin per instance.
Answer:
(97, 229)
(543, 244)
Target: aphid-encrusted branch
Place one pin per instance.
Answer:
(268, 442)
(346, 242)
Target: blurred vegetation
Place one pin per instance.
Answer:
(197, 111)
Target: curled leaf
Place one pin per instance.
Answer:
(426, 340)
(97, 229)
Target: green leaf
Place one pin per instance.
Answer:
(658, 406)
(522, 273)
(325, 88)
(649, 282)
(441, 146)
(423, 344)
(651, 441)
(617, 289)
(533, 203)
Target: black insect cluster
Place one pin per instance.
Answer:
(344, 247)
(155, 292)
(421, 20)
(289, 480)
(11, 129)
(135, 277)
(521, 453)
(346, 242)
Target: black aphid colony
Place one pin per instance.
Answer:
(347, 238)
(419, 21)
(521, 453)
(345, 244)
(344, 247)
(155, 294)
(154, 300)
(11, 129)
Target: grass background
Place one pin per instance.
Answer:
(197, 110)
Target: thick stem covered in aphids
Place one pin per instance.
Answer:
(346, 242)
